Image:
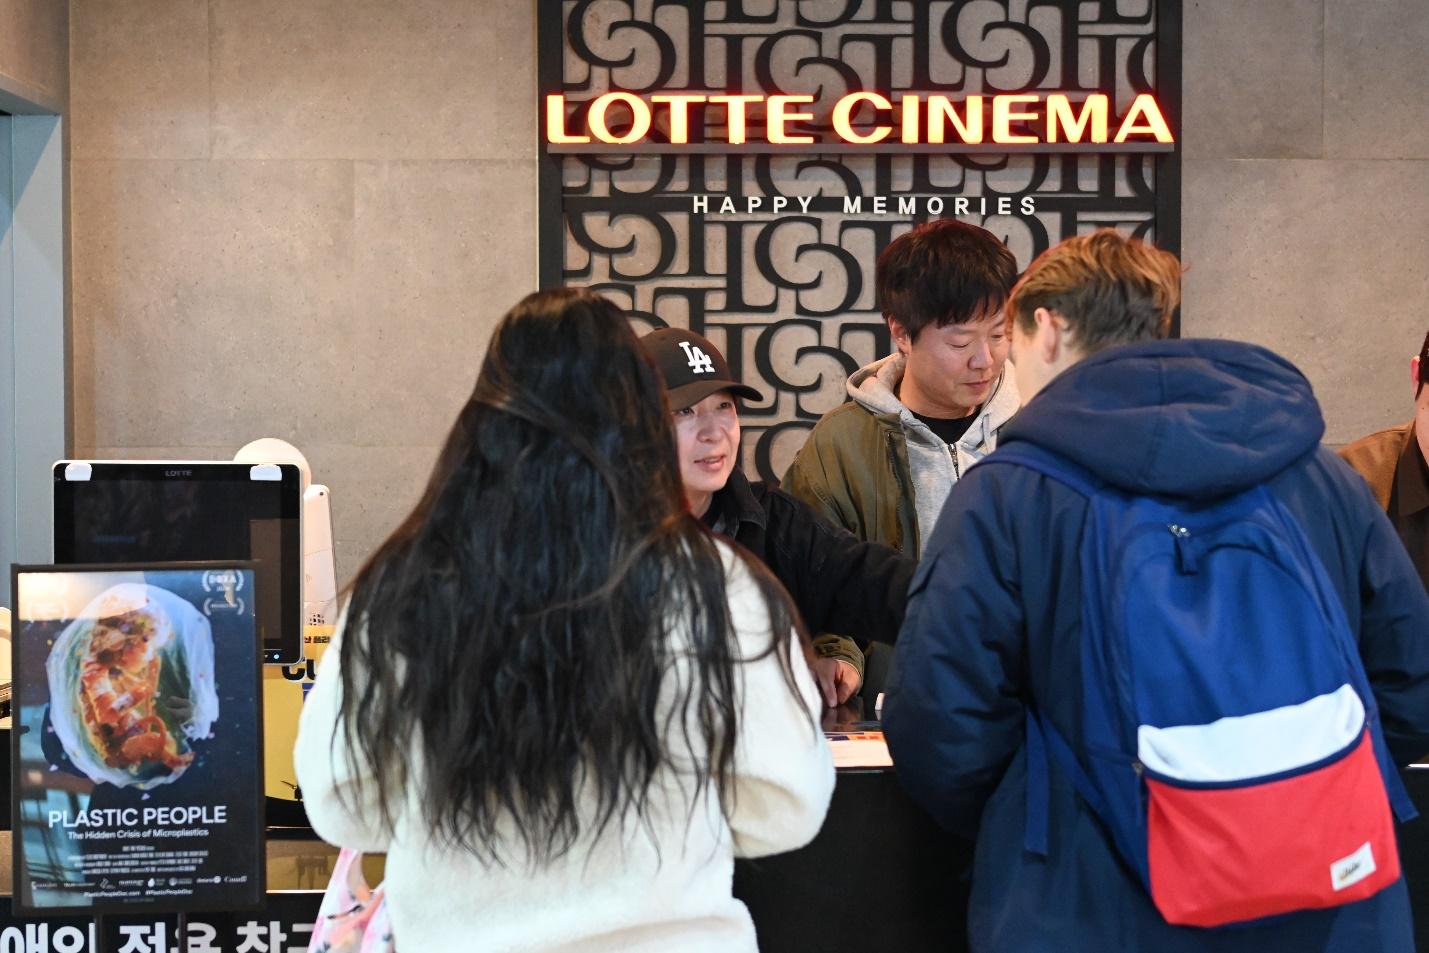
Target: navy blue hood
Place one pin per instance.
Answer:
(1188, 418)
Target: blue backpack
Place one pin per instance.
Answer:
(1230, 743)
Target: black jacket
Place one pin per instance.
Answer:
(839, 583)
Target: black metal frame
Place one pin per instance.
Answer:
(551, 223)
(22, 901)
(1146, 195)
(550, 38)
(1168, 167)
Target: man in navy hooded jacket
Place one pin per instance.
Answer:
(995, 617)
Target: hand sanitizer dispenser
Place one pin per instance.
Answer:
(319, 565)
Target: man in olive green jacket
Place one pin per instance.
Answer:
(882, 464)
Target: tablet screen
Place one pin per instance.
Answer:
(167, 511)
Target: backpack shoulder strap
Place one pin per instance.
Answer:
(1045, 744)
(1054, 466)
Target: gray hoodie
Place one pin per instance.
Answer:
(933, 468)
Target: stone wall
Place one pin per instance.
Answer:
(34, 53)
(1306, 192)
(303, 224)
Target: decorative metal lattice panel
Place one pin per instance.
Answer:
(788, 291)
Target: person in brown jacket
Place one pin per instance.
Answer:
(1395, 463)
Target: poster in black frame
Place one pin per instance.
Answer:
(161, 723)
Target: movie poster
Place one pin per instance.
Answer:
(137, 751)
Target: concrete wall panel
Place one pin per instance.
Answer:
(297, 220)
(372, 79)
(1252, 79)
(121, 105)
(1376, 96)
(34, 53)
(217, 300)
(1322, 261)
(442, 251)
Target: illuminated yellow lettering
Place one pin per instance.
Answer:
(843, 118)
(1060, 116)
(735, 104)
(1003, 117)
(640, 118)
(679, 115)
(556, 122)
(1144, 118)
(968, 126)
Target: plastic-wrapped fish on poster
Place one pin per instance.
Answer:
(132, 687)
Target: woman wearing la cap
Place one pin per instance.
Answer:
(840, 584)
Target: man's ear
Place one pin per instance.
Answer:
(1414, 371)
(901, 338)
(1052, 335)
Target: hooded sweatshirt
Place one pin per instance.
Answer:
(995, 620)
(872, 467)
(1192, 419)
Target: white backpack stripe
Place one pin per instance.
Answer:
(1254, 746)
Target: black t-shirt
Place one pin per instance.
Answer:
(949, 429)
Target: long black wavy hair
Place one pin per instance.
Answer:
(514, 635)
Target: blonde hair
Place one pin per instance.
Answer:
(1110, 289)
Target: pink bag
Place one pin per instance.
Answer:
(353, 917)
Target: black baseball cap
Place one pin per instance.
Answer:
(693, 368)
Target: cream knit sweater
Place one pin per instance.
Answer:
(626, 892)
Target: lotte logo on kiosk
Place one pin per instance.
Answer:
(1011, 122)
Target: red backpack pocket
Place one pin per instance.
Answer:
(1316, 831)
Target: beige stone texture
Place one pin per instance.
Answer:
(443, 249)
(215, 452)
(1305, 249)
(213, 302)
(121, 106)
(373, 490)
(304, 225)
(1376, 96)
(1252, 79)
(373, 79)
(34, 46)
(1321, 261)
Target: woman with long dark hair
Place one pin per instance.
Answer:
(557, 703)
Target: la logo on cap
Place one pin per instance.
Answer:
(700, 362)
